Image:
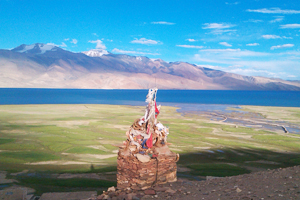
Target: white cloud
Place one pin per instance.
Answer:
(115, 50)
(58, 45)
(271, 36)
(211, 67)
(251, 63)
(282, 46)
(253, 72)
(221, 50)
(275, 37)
(234, 3)
(217, 26)
(163, 23)
(234, 61)
(221, 31)
(290, 26)
(63, 45)
(74, 41)
(225, 44)
(291, 53)
(66, 39)
(144, 41)
(274, 11)
(95, 34)
(191, 40)
(277, 19)
(232, 53)
(99, 43)
(190, 46)
(252, 44)
(254, 20)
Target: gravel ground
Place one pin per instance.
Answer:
(271, 184)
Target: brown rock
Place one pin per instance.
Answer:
(170, 191)
(131, 196)
(121, 196)
(160, 188)
(106, 197)
(100, 197)
(150, 192)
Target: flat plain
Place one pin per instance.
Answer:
(74, 147)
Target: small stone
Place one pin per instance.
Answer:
(100, 197)
(170, 191)
(112, 194)
(150, 192)
(238, 190)
(130, 196)
(155, 196)
(121, 196)
(106, 197)
(111, 189)
(143, 158)
(146, 197)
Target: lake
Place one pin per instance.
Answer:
(137, 97)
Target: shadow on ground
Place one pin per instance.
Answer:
(197, 165)
(233, 161)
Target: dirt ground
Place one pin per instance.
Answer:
(283, 183)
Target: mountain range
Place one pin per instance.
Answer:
(48, 66)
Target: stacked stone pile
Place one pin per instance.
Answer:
(145, 159)
(140, 175)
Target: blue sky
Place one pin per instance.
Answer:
(249, 37)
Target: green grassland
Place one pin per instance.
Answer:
(81, 138)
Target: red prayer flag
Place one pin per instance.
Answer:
(149, 142)
(156, 110)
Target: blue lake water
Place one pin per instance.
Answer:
(137, 97)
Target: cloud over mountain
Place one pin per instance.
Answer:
(99, 44)
(145, 41)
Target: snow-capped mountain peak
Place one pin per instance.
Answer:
(96, 52)
(37, 48)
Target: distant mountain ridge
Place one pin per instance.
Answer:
(48, 66)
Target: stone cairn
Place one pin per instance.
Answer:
(145, 160)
